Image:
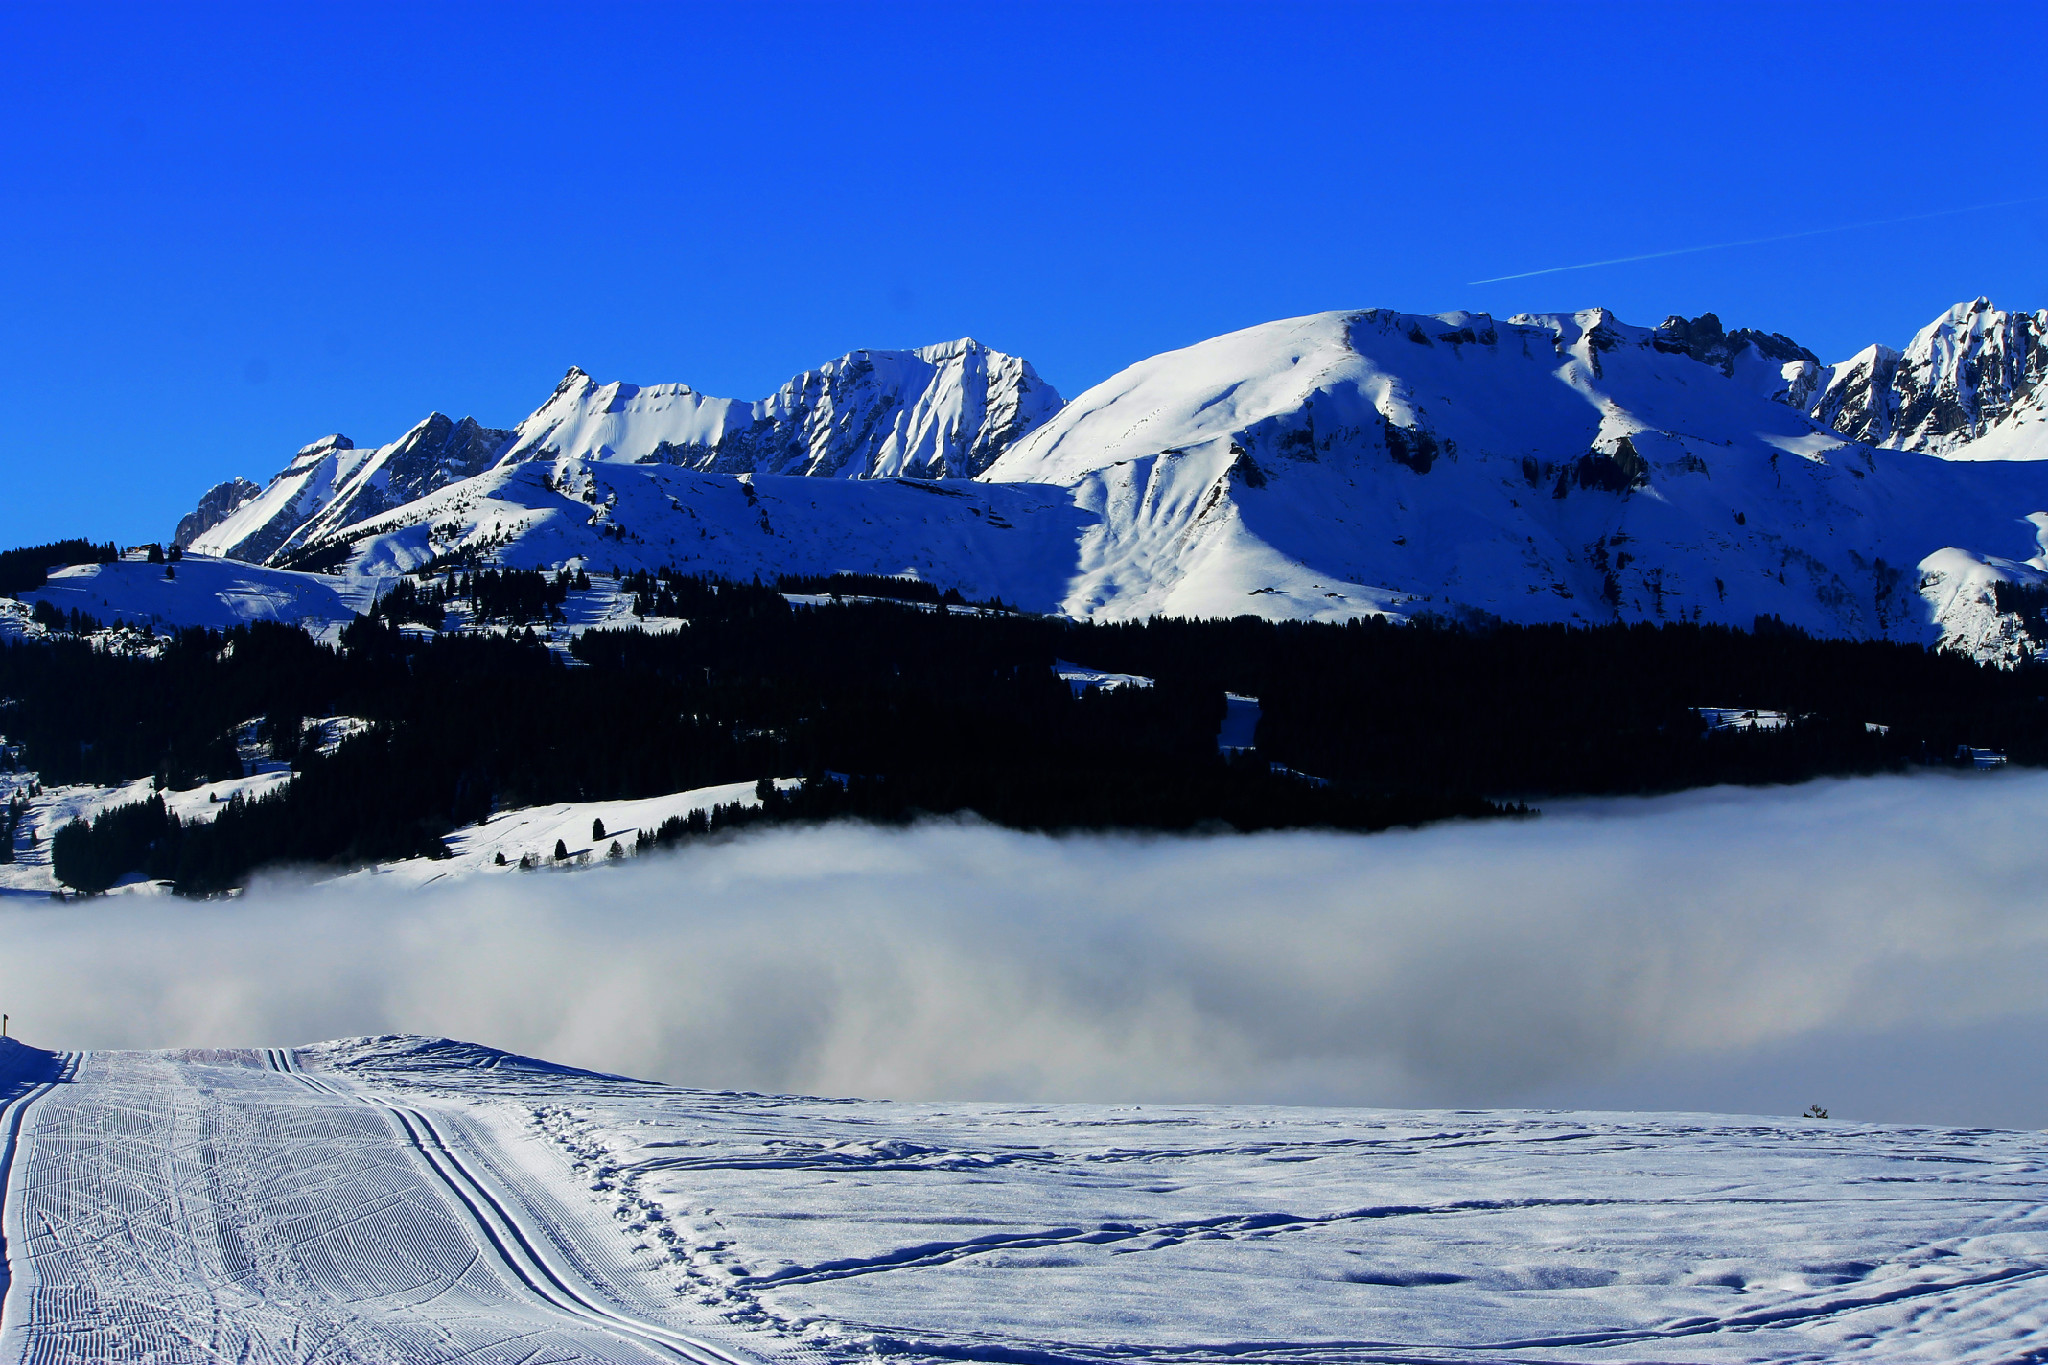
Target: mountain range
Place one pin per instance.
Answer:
(1546, 467)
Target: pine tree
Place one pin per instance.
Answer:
(561, 851)
(596, 831)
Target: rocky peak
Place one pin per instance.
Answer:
(1703, 339)
(437, 451)
(217, 504)
(1961, 375)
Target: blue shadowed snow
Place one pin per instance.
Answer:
(1240, 724)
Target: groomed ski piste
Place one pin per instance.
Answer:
(403, 1199)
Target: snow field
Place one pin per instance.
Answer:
(405, 1199)
(532, 831)
(217, 593)
(1082, 1233)
(207, 1206)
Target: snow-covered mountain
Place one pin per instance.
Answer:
(331, 484)
(1973, 384)
(938, 411)
(216, 505)
(1558, 467)
(935, 412)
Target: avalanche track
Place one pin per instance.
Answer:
(411, 1200)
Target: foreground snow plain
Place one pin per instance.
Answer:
(405, 1199)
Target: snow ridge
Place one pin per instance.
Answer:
(942, 411)
(1548, 467)
(935, 412)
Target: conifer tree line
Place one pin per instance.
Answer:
(517, 597)
(891, 711)
(11, 816)
(28, 568)
(672, 593)
(73, 622)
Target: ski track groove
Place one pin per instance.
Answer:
(525, 1255)
(13, 1117)
(155, 1238)
(528, 1265)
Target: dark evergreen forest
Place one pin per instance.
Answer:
(29, 567)
(896, 710)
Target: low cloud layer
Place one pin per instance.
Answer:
(1878, 945)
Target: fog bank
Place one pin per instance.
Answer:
(1876, 945)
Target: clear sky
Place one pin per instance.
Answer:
(226, 231)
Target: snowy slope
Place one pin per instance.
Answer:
(205, 592)
(387, 1199)
(49, 809)
(258, 526)
(533, 831)
(1563, 467)
(944, 410)
(53, 808)
(331, 483)
(1013, 541)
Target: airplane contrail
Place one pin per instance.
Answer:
(1759, 241)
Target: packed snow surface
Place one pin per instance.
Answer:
(405, 1199)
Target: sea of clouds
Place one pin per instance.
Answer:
(1877, 945)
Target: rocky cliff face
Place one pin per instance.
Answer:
(216, 505)
(1968, 373)
(1768, 362)
(435, 453)
(942, 411)
(260, 526)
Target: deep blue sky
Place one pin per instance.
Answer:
(226, 231)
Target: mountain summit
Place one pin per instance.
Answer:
(943, 411)
(1563, 467)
